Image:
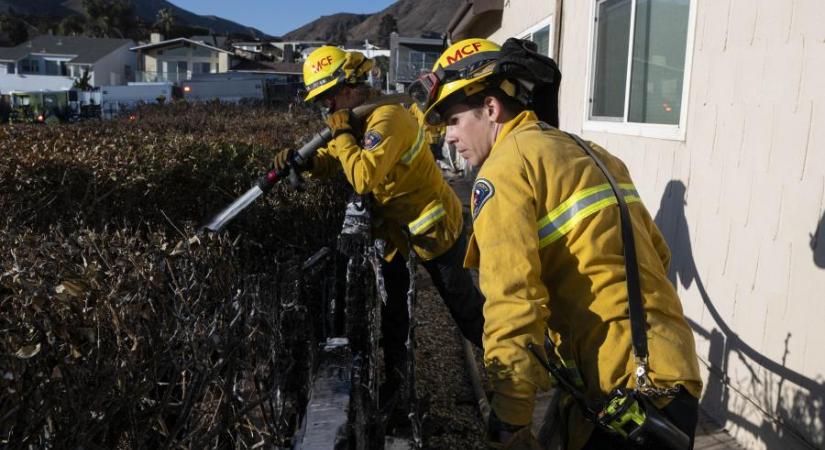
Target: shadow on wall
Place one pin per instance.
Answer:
(790, 415)
(818, 243)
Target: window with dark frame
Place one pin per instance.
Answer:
(542, 39)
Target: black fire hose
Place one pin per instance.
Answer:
(299, 158)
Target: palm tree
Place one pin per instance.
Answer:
(14, 28)
(72, 25)
(387, 25)
(165, 20)
(109, 18)
(84, 82)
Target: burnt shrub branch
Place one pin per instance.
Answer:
(122, 326)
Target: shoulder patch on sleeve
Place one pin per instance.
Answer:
(483, 190)
(371, 139)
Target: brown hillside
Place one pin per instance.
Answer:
(415, 18)
(147, 10)
(326, 28)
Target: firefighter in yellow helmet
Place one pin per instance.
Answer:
(433, 134)
(548, 245)
(386, 158)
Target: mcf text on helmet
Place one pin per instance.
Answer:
(321, 63)
(466, 50)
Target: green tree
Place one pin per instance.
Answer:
(387, 25)
(72, 25)
(164, 21)
(110, 18)
(383, 64)
(84, 82)
(14, 28)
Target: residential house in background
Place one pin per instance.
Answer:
(409, 57)
(295, 51)
(179, 59)
(213, 40)
(492, 20)
(281, 81)
(258, 50)
(50, 62)
(726, 152)
(368, 49)
(289, 71)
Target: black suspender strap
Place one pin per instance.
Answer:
(634, 292)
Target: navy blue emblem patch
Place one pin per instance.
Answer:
(483, 190)
(372, 139)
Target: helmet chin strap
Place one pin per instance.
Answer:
(496, 132)
(328, 107)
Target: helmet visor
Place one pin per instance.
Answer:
(424, 90)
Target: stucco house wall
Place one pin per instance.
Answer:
(521, 16)
(741, 200)
(737, 188)
(111, 69)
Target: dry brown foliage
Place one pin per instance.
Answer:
(120, 327)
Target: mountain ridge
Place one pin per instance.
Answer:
(414, 18)
(147, 10)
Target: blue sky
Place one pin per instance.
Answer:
(277, 17)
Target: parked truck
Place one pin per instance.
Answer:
(233, 87)
(116, 100)
(225, 90)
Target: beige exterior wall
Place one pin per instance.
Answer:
(150, 62)
(111, 69)
(153, 61)
(519, 16)
(741, 201)
(223, 62)
(739, 193)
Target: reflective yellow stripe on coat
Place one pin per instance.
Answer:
(424, 221)
(578, 207)
(408, 156)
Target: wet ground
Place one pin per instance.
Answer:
(454, 421)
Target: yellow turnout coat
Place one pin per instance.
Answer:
(547, 242)
(392, 162)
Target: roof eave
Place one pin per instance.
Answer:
(470, 13)
(176, 40)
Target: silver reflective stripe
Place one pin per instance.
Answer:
(579, 206)
(413, 151)
(429, 217)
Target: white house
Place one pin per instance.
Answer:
(176, 60)
(368, 49)
(297, 50)
(53, 62)
(409, 56)
(718, 109)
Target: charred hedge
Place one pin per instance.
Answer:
(122, 327)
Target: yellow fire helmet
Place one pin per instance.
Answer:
(328, 66)
(458, 74)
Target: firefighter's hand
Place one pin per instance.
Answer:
(281, 159)
(340, 122)
(501, 435)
